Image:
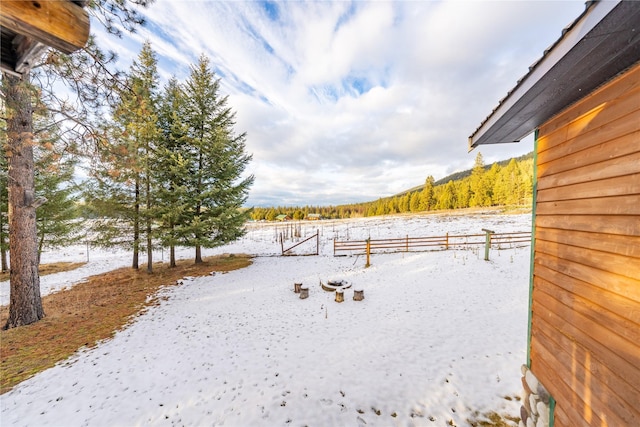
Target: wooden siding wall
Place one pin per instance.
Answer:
(585, 336)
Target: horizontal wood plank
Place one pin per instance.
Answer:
(605, 149)
(626, 390)
(620, 166)
(561, 147)
(617, 186)
(615, 283)
(591, 396)
(621, 356)
(566, 400)
(560, 417)
(610, 224)
(616, 205)
(605, 113)
(592, 391)
(611, 301)
(606, 261)
(621, 87)
(612, 243)
(615, 324)
(60, 24)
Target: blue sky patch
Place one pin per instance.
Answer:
(271, 9)
(358, 84)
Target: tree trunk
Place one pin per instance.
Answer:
(172, 256)
(25, 306)
(198, 254)
(3, 245)
(147, 180)
(149, 249)
(136, 228)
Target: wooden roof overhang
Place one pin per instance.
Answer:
(601, 43)
(29, 26)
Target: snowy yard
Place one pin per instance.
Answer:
(439, 336)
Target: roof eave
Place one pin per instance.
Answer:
(587, 55)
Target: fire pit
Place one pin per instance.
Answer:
(334, 285)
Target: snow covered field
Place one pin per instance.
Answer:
(439, 336)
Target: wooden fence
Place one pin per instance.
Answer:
(315, 236)
(448, 241)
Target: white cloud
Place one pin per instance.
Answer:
(351, 101)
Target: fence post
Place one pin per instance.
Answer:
(446, 245)
(487, 243)
(407, 245)
(367, 265)
(281, 244)
(318, 243)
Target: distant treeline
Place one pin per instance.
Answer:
(505, 183)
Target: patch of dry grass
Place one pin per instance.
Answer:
(90, 312)
(54, 267)
(493, 419)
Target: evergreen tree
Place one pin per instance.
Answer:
(146, 130)
(85, 72)
(25, 306)
(415, 202)
(505, 188)
(122, 191)
(462, 189)
(427, 199)
(447, 196)
(271, 215)
(405, 202)
(217, 158)
(169, 177)
(57, 221)
(526, 181)
(480, 190)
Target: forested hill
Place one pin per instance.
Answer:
(457, 176)
(505, 183)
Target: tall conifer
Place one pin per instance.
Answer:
(217, 159)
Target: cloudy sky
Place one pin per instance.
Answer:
(351, 101)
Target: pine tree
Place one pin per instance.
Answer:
(415, 201)
(85, 73)
(505, 188)
(478, 184)
(447, 196)
(56, 218)
(122, 191)
(217, 159)
(169, 177)
(25, 306)
(427, 199)
(526, 181)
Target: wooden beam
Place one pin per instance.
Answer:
(27, 50)
(62, 25)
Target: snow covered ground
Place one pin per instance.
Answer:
(439, 336)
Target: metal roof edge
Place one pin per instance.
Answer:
(571, 35)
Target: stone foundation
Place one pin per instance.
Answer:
(535, 410)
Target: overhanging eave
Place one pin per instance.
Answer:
(600, 44)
